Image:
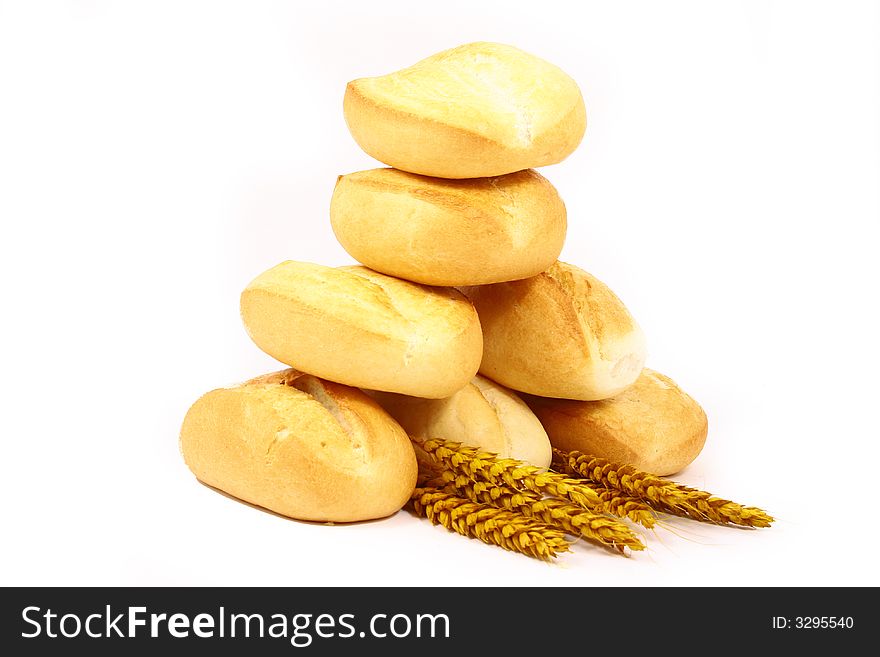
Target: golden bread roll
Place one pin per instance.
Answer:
(561, 333)
(482, 414)
(361, 328)
(302, 447)
(449, 232)
(481, 109)
(652, 425)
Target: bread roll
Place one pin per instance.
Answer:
(301, 447)
(561, 333)
(481, 109)
(449, 232)
(482, 414)
(361, 328)
(652, 425)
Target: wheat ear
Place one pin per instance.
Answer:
(491, 525)
(661, 494)
(484, 466)
(617, 504)
(557, 513)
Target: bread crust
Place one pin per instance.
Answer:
(562, 333)
(361, 328)
(301, 447)
(483, 414)
(653, 425)
(449, 232)
(481, 109)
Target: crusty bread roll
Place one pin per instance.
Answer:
(481, 109)
(361, 328)
(561, 333)
(301, 447)
(652, 425)
(482, 414)
(449, 232)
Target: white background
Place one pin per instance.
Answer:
(156, 156)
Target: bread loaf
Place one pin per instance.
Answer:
(482, 414)
(561, 333)
(481, 109)
(361, 328)
(301, 447)
(652, 425)
(449, 232)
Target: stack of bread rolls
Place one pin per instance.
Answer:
(460, 306)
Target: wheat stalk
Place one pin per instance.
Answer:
(624, 506)
(572, 519)
(612, 502)
(484, 466)
(662, 494)
(491, 525)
